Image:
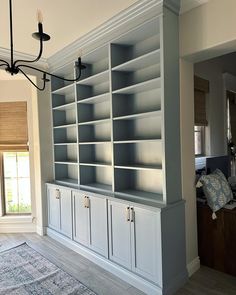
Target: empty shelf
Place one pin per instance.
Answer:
(94, 142)
(68, 89)
(65, 126)
(139, 167)
(65, 107)
(96, 164)
(67, 162)
(154, 197)
(97, 186)
(140, 62)
(136, 140)
(95, 99)
(95, 79)
(139, 87)
(139, 115)
(95, 122)
(68, 181)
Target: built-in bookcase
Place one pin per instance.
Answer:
(64, 113)
(109, 126)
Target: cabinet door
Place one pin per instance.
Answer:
(98, 240)
(66, 212)
(119, 234)
(211, 240)
(81, 219)
(53, 208)
(230, 241)
(146, 244)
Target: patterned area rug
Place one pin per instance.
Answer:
(24, 271)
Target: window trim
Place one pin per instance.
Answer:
(3, 197)
(203, 141)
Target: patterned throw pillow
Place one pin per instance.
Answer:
(216, 189)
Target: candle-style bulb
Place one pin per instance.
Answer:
(39, 16)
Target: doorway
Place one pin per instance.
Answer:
(215, 236)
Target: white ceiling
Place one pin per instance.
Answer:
(187, 5)
(65, 21)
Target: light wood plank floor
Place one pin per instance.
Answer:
(205, 282)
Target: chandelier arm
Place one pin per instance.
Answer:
(49, 74)
(3, 65)
(5, 62)
(34, 60)
(44, 83)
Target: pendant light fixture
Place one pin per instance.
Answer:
(18, 66)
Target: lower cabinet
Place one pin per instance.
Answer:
(135, 239)
(60, 210)
(125, 234)
(90, 222)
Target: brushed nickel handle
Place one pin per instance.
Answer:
(127, 214)
(85, 206)
(87, 202)
(132, 215)
(57, 194)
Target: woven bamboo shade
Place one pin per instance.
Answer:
(232, 113)
(201, 87)
(13, 126)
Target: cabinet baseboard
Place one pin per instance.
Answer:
(193, 266)
(118, 271)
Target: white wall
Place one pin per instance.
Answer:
(208, 30)
(187, 163)
(39, 127)
(205, 32)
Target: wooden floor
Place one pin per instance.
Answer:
(205, 282)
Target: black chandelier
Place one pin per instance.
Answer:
(14, 67)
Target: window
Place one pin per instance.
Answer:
(201, 89)
(16, 182)
(199, 140)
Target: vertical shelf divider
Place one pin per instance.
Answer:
(77, 129)
(111, 118)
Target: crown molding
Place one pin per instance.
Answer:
(127, 19)
(173, 5)
(5, 54)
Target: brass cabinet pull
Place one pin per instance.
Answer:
(132, 214)
(127, 214)
(57, 194)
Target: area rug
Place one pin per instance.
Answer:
(24, 271)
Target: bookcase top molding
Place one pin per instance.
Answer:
(126, 20)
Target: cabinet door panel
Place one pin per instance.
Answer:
(230, 241)
(53, 209)
(81, 220)
(66, 212)
(146, 244)
(119, 234)
(98, 225)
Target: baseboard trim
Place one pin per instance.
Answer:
(193, 266)
(118, 271)
(41, 230)
(12, 228)
(176, 284)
